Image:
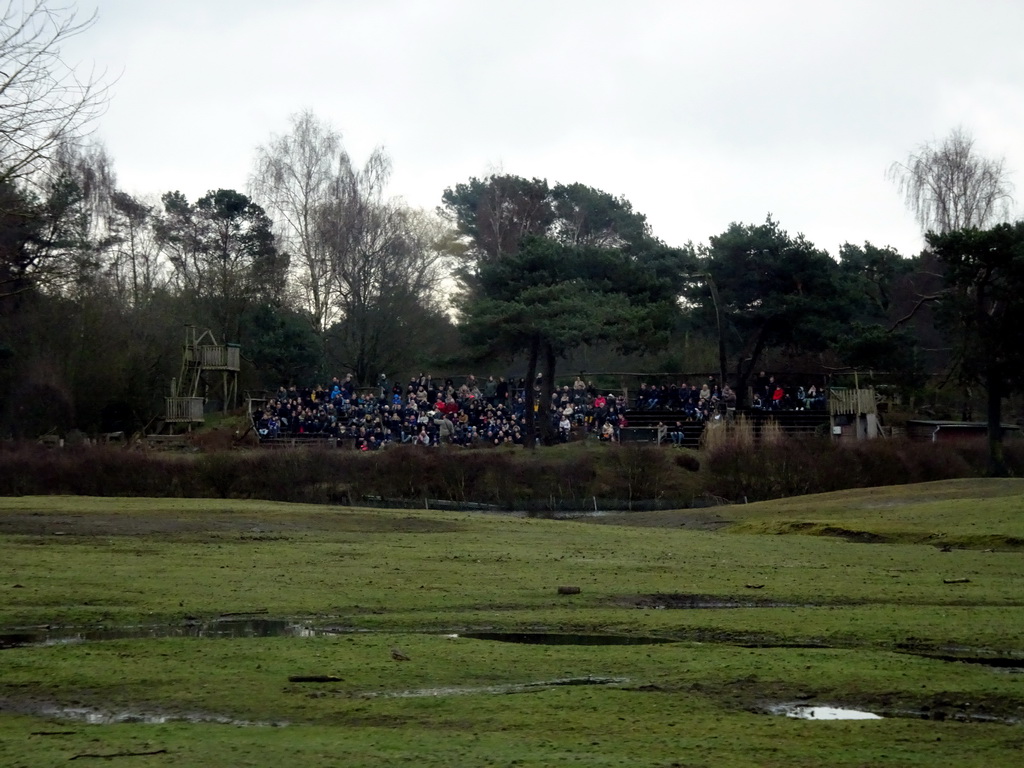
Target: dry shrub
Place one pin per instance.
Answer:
(208, 441)
(402, 471)
(310, 475)
(687, 461)
(641, 470)
(29, 469)
(567, 477)
(739, 431)
(771, 433)
(767, 471)
(1013, 454)
(934, 461)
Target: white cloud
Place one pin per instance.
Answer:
(699, 113)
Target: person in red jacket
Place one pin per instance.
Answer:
(777, 396)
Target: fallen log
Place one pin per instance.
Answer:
(313, 679)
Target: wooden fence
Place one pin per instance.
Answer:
(188, 409)
(852, 402)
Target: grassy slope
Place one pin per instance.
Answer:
(112, 561)
(976, 513)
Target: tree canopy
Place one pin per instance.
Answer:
(552, 269)
(773, 291)
(983, 310)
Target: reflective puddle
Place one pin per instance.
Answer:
(223, 627)
(94, 716)
(822, 713)
(564, 638)
(539, 685)
(260, 627)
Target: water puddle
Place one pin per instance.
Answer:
(250, 627)
(508, 688)
(961, 713)
(223, 627)
(1010, 665)
(803, 712)
(565, 638)
(96, 716)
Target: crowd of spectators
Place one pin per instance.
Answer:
(426, 411)
(772, 395)
(700, 403)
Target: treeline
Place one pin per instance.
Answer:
(317, 270)
(97, 284)
(336, 277)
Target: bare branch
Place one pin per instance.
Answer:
(44, 101)
(920, 303)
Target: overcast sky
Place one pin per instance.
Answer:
(700, 113)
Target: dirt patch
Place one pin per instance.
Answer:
(859, 537)
(690, 519)
(835, 531)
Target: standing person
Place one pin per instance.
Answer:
(728, 396)
(501, 391)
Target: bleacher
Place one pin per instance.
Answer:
(793, 423)
(653, 427)
(645, 426)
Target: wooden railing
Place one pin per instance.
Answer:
(852, 401)
(219, 357)
(184, 409)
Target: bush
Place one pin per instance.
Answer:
(566, 477)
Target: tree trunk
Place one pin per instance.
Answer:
(545, 428)
(743, 373)
(530, 434)
(721, 332)
(994, 410)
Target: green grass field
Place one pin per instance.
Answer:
(903, 601)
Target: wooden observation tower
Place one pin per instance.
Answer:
(202, 355)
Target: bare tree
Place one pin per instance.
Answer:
(44, 101)
(949, 186)
(91, 168)
(67, 212)
(222, 254)
(134, 263)
(387, 261)
(295, 175)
